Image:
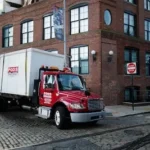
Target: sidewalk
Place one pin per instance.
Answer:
(122, 110)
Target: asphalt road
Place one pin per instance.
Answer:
(22, 130)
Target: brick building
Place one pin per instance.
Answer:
(117, 30)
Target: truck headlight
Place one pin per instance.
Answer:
(77, 106)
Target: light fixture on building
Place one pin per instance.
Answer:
(110, 56)
(93, 52)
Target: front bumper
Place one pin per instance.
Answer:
(87, 117)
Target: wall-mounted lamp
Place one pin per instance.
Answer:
(93, 52)
(110, 56)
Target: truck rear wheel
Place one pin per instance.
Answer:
(61, 117)
(3, 105)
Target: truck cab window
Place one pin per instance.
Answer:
(69, 82)
(49, 81)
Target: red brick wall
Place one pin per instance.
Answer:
(104, 78)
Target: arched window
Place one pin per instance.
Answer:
(7, 36)
(79, 19)
(27, 28)
(48, 27)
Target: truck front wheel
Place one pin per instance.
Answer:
(61, 118)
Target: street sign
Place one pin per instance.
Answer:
(131, 68)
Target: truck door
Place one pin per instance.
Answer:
(47, 90)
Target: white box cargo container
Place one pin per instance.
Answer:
(19, 69)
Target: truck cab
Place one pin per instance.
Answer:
(62, 96)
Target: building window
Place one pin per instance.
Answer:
(80, 60)
(129, 24)
(107, 17)
(27, 32)
(8, 36)
(147, 30)
(131, 1)
(132, 94)
(48, 27)
(147, 59)
(131, 55)
(79, 20)
(148, 93)
(147, 4)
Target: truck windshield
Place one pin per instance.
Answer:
(70, 82)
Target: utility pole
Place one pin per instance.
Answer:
(65, 42)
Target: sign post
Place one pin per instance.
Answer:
(132, 70)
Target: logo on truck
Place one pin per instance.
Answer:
(13, 69)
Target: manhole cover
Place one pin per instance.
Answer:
(133, 132)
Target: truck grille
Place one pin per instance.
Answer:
(95, 104)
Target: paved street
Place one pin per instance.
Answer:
(20, 129)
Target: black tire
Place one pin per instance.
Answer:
(64, 121)
(3, 105)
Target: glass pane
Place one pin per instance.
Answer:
(6, 42)
(145, 4)
(147, 59)
(30, 26)
(146, 25)
(30, 38)
(74, 14)
(148, 5)
(126, 56)
(84, 67)
(84, 25)
(131, 18)
(75, 67)
(46, 21)
(135, 95)
(126, 18)
(131, 31)
(125, 68)
(125, 28)
(53, 32)
(131, 1)
(74, 27)
(84, 12)
(83, 53)
(127, 95)
(6, 32)
(24, 38)
(52, 22)
(11, 41)
(11, 31)
(24, 28)
(107, 17)
(146, 38)
(74, 54)
(47, 34)
(134, 56)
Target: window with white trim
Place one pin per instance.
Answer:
(79, 20)
(147, 4)
(27, 32)
(48, 27)
(8, 36)
(80, 60)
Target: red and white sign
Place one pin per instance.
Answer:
(13, 69)
(131, 68)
